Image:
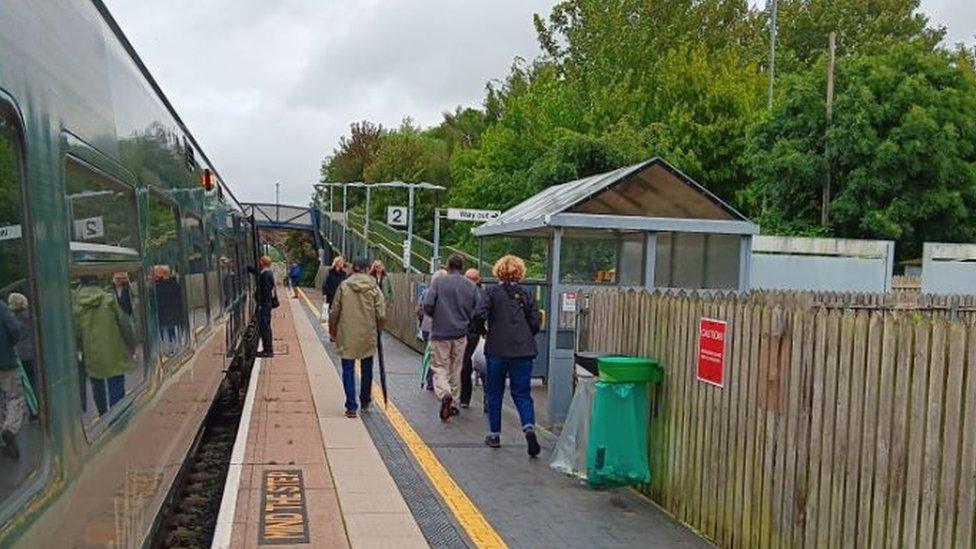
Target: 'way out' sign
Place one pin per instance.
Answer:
(711, 351)
(460, 214)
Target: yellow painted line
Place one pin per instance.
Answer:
(467, 514)
(309, 303)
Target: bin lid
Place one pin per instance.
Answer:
(637, 361)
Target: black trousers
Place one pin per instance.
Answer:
(264, 328)
(466, 369)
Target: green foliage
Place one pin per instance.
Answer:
(620, 81)
(301, 249)
(901, 150)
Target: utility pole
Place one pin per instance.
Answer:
(772, 49)
(278, 202)
(824, 208)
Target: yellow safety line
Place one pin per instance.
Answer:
(467, 514)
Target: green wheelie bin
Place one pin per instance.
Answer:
(617, 448)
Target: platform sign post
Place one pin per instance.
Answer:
(711, 351)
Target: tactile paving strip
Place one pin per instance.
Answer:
(432, 517)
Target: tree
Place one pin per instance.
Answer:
(348, 162)
(901, 150)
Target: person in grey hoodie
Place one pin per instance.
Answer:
(451, 301)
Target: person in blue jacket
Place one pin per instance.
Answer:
(295, 275)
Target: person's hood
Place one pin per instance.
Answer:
(90, 297)
(360, 282)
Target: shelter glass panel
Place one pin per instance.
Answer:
(588, 260)
(722, 261)
(697, 261)
(631, 261)
(21, 381)
(164, 253)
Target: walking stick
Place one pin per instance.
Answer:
(379, 353)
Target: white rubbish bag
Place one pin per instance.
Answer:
(569, 454)
(324, 313)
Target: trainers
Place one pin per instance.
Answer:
(10, 448)
(532, 442)
(465, 405)
(493, 441)
(446, 408)
(351, 414)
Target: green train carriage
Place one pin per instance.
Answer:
(104, 191)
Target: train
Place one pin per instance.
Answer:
(124, 259)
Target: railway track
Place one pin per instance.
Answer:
(192, 514)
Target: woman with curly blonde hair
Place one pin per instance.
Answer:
(513, 321)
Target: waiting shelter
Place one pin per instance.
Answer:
(646, 225)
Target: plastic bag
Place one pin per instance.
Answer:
(324, 313)
(617, 450)
(569, 454)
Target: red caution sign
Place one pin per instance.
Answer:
(711, 351)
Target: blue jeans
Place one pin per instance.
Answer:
(116, 390)
(349, 381)
(519, 372)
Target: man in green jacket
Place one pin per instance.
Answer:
(357, 314)
(11, 392)
(106, 340)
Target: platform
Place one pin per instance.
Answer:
(399, 477)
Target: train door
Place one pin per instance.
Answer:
(23, 441)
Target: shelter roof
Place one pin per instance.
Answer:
(651, 195)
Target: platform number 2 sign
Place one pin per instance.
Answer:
(396, 216)
(90, 228)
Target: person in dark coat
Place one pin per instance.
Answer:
(337, 273)
(122, 290)
(12, 404)
(513, 321)
(169, 309)
(475, 331)
(266, 293)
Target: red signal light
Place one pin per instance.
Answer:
(207, 179)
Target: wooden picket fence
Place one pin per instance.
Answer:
(837, 426)
(401, 319)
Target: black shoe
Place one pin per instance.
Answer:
(446, 408)
(455, 411)
(351, 414)
(364, 407)
(532, 442)
(10, 441)
(493, 441)
(265, 354)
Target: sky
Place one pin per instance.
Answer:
(268, 88)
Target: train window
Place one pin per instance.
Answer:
(102, 214)
(196, 272)
(106, 294)
(213, 272)
(21, 386)
(164, 253)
